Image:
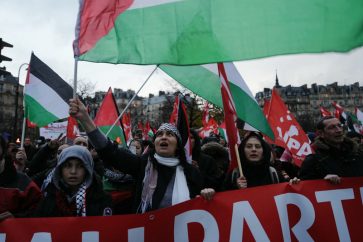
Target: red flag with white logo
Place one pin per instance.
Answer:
(72, 128)
(288, 133)
(179, 118)
(126, 122)
(324, 112)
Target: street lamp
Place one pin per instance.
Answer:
(17, 102)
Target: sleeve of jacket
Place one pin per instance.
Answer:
(308, 169)
(112, 155)
(39, 161)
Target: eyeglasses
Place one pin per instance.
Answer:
(335, 126)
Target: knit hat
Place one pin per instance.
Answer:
(78, 152)
(169, 127)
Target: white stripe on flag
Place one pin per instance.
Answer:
(46, 97)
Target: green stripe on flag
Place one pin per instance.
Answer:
(114, 133)
(207, 85)
(210, 31)
(37, 114)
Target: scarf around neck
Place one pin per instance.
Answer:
(180, 188)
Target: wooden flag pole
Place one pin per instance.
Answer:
(132, 99)
(238, 160)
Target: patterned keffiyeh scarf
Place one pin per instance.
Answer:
(81, 200)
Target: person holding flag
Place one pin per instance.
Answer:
(163, 175)
(255, 154)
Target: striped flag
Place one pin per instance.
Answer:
(107, 115)
(46, 94)
(230, 115)
(197, 32)
(204, 81)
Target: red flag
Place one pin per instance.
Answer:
(179, 118)
(205, 115)
(126, 122)
(210, 127)
(30, 124)
(106, 115)
(324, 112)
(148, 132)
(288, 133)
(230, 116)
(72, 128)
(339, 112)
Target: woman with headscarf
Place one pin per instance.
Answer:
(255, 155)
(163, 176)
(74, 190)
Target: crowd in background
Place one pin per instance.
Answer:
(95, 176)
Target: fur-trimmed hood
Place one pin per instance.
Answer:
(348, 144)
(216, 150)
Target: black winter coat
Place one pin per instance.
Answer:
(344, 162)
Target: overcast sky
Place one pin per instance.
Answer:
(47, 28)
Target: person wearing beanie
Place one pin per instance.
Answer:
(163, 176)
(74, 189)
(19, 195)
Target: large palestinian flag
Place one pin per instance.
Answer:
(46, 94)
(204, 81)
(187, 32)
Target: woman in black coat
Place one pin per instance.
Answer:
(163, 176)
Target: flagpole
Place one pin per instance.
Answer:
(132, 99)
(24, 119)
(238, 160)
(75, 77)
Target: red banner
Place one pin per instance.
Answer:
(309, 211)
(288, 132)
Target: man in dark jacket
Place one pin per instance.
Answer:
(19, 195)
(335, 155)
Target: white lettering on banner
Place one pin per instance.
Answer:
(306, 220)
(42, 237)
(242, 211)
(136, 234)
(361, 194)
(2, 237)
(304, 150)
(335, 198)
(91, 236)
(208, 222)
(293, 131)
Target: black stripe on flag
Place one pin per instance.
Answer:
(44, 73)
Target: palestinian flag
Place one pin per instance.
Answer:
(46, 94)
(107, 115)
(204, 81)
(197, 32)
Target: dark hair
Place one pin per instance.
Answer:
(321, 125)
(265, 147)
(3, 147)
(197, 145)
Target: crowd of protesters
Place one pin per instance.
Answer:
(96, 177)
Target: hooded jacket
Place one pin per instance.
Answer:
(59, 200)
